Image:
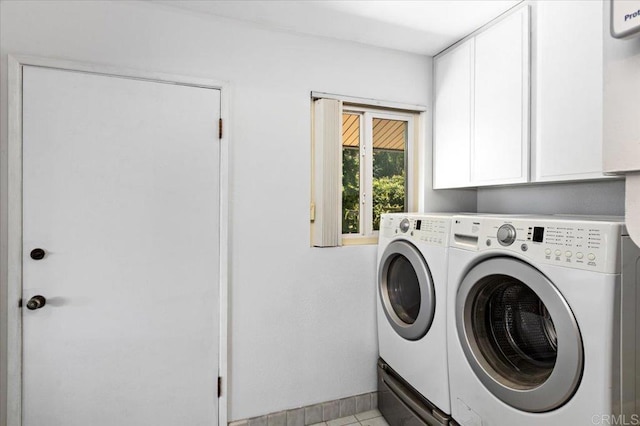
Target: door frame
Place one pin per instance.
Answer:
(14, 215)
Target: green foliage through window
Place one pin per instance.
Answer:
(389, 182)
(385, 171)
(350, 190)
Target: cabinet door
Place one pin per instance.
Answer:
(453, 88)
(568, 68)
(500, 147)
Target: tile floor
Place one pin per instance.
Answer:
(368, 418)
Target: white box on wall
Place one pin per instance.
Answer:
(625, 18)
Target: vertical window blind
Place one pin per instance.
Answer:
(327, 173)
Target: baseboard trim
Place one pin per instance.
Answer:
(315, 413)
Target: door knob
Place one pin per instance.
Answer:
(36, 302)
(37, 254)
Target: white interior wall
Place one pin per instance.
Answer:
(585, 198)
(302, 320)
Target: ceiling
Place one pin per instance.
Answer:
(421, 26)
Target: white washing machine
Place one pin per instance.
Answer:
(543, 321)
(412, 285)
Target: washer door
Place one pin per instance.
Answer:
(406, 290)
(519, 335)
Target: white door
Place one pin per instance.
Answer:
(121, 191)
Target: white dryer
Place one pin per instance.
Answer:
(412, 287)
(544, 321)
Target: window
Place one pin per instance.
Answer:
(365, 165)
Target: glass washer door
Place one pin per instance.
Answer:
(406, 290)
(519, 335)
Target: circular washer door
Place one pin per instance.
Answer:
(519, 335)
(406, 290)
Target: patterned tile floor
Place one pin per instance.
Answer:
(368, 418)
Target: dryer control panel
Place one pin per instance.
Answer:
(423, 228)
(564, 241)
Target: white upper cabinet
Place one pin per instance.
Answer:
(452, 129)
(565, 136)
(481, 107)
(568, 87)
(500, 146)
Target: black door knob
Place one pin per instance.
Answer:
(37, 254)
(36, 302)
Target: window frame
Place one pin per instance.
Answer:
(325, 209)
(367, 234)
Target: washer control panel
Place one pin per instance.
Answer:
(575, 243)
(423, 228)
(506, 234)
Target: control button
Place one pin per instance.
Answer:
(506, 235)
(558, 252)
(591, 256)
(568, 253)
(524, 247)
(488, 242)
(579, 255)
(547, 252)
(404, 225)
